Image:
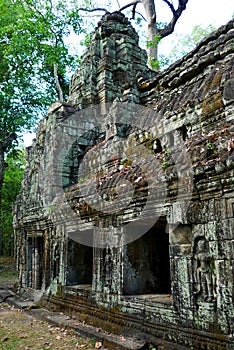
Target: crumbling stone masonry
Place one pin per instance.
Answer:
(174, 284)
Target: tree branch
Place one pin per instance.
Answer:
(58, 86)
(92, 10)
(176, 15)
(128, 5)
(134, 11)
(141, 16)
(170, 5)
(118, 3)
(41, 14)
(8, 141)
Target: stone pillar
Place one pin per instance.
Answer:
(46, 260)
(107, 281)
(21, 257)
(37, 281)
(29, 261)
(181, 270)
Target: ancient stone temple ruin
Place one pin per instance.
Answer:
(126, 214)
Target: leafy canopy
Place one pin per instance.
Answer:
(32, 41)
(186, 43)
(34, 61)
(11, 186)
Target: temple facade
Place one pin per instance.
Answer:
(126, 213)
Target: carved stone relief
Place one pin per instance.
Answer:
(203, 271)
(197, 212)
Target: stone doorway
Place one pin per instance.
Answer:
(147, 263)
(79, 264)
(35, 258)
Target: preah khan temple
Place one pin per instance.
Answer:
(125, 218)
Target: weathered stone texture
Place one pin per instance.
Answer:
(175, 284)
(110, 66)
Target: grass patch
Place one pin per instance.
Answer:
(21, 331)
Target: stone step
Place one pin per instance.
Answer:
(109, 341)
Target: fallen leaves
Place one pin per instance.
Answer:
(20, 331)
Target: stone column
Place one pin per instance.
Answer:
(181, 270)
(107, 281)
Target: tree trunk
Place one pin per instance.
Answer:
(58, 86)
(2, 168)
(152, 33)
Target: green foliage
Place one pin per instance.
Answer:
(168, 152)
(161, 25)
(210, 146)
(138, 21)
(166, 158)
(32, 34)
(83, 179)
(186, 43)
(154, 64)
(32, 40)
(86, 41)
(12, 182)
(164, 163)
(93, 341)
(32, 44)
(155, 42)
(163, 61)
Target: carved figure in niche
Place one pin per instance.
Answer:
(203, 271)
(110, 121)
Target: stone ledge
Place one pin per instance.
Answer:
(59, 319)
(166, 337)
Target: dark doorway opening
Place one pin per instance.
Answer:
(29, 262)
(35, 259)
(79, 263)
(147, 263)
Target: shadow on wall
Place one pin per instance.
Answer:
(79, 264)
(147, 263)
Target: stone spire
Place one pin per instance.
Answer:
(109, 68)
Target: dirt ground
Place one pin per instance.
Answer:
(19, 330)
